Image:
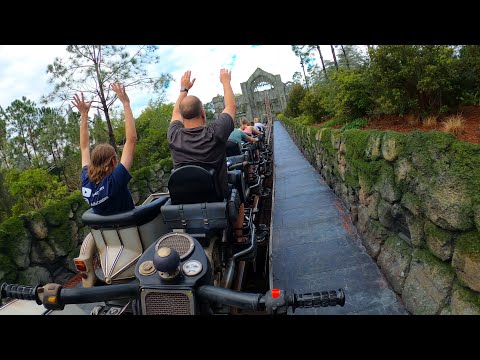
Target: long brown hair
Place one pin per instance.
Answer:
(101, 162)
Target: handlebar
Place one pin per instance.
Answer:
(275, 301)
(55, 297)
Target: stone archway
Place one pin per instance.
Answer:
(251, 103)
(255, 97)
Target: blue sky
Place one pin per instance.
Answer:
(23, 68)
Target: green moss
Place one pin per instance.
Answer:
(465, 164)
(8, 268)
(167, 164)
(143, 173)
(412, 202)
(11, 231)
(61, 238)
(394, 242)
(434, 231)
(428, 258)
(469, 243)
(57, 213)
(355, 124)
(335, 122)
(467, 295)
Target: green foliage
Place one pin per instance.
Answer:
(304, 119)
(295, 96)
(317, 103)
(355, 124)
(353, 93)
(33, 189)
(334, 122)
(152, 126)
(417, 79)
(469, 71)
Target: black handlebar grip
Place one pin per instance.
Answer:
(22, 292)
(320, 299)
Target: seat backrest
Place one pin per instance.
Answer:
(232, 148)
(121, 238)
(192, 184)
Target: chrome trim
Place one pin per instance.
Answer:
(120, 251)
(187, 236)
(125, 268)
(106, 253)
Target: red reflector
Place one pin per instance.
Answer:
(275, 293)
(80, 265)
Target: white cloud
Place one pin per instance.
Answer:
(23, 68)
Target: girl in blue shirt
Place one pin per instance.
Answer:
(104, 179)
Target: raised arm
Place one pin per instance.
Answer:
(185, 85)
(83, 107)
(228, 97)
(255, 131)
(130, 131)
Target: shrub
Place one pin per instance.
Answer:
(454, 124)
(355, 124)
(430, 122)
(304, 119)
(295, 96)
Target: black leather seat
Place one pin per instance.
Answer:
(232, 160)
(196, 201)
(232, 148)
(235, 177)
(192, 184)
(138, 216)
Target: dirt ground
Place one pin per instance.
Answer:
(471, 114)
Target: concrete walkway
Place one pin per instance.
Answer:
(314, 244)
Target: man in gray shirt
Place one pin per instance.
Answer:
(192, 142)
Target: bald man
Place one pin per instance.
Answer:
(192, 142)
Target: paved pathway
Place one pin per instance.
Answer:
(315, 246)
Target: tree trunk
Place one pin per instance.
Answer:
(334, 57)
(111, 136)
(345, 55)
(26, 147)
(321, 59)
(32, 141)
(303, 68)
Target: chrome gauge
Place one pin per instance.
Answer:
(192, 267)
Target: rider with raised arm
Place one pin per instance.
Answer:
(192, 142)
(104, 179)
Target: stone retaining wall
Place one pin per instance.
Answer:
(415, 200)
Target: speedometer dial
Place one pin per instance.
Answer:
(192, 267)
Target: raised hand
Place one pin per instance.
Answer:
(121, 93)
(225, 76)
(185, 81)
(81, 105)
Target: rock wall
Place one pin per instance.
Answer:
(415, 200)
(39, 247)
